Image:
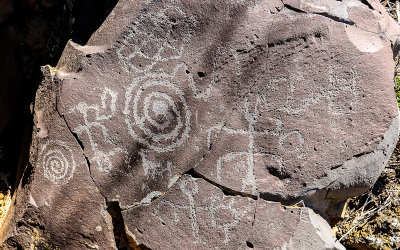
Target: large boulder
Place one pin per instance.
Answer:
(206, 121)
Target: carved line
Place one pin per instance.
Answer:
(103, 113)
(190, 188)
(57, 167)
(161, 141)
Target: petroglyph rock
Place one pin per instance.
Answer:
(195, 214)
(61, 207)
(199, 117)
(231, 107)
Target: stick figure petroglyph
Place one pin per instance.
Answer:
(92, 124)
(246, 159)
(172, 213)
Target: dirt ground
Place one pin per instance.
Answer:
(372, 220)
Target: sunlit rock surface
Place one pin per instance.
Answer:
(205, 121)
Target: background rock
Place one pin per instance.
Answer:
(10, 84)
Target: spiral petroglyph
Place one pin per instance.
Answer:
(58, 162)
(157, 114)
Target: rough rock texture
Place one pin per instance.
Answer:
(33, 33)
(196, 214)
(199, 117)
(62, 207)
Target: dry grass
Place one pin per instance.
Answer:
(5, 202)
(393, 8)
(372, 220)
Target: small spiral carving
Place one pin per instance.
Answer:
(58, 162)
(158, 115)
